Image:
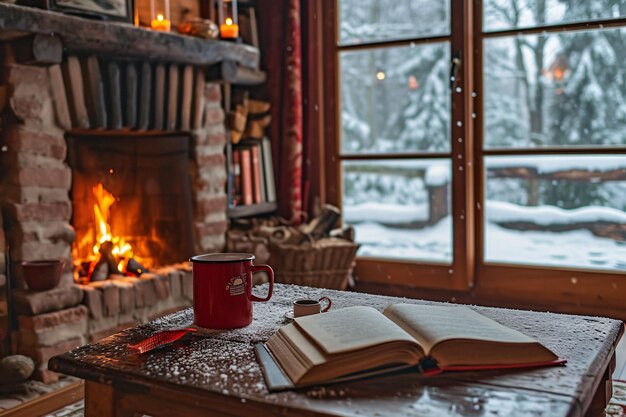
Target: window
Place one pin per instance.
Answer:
(479, 137)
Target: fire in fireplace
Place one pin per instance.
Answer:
(131, 199)
(111, 253)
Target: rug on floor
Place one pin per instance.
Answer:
(617, 405)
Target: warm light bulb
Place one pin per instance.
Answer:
(380, 75)
(160, 18)
(229, 21)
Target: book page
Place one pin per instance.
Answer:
(434, 324)
(351, 328)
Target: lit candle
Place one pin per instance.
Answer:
(160, 23)
(229, 30)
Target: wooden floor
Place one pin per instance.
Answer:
(620, 368)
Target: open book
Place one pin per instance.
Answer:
(355, 342)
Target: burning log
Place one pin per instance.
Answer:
(135, 268)
(106, 253)
(100, 271)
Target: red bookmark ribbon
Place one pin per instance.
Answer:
(161, 338)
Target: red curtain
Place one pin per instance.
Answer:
(281, 36)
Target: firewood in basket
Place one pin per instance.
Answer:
(135, 267)
(321, 226)
(346, 233)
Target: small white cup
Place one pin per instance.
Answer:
(306, 307)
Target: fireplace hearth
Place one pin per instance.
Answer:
(163, 189)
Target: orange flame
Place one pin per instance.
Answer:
(122, 250)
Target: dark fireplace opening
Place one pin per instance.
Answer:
(131, 198)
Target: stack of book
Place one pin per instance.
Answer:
(253, 173)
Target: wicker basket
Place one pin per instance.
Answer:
(326, 263)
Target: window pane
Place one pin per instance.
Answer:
(395, 100)
(555, 90)
(400, 209)
(511, 14)
(364, 21)
(565, 211)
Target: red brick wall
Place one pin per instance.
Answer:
(36, 179)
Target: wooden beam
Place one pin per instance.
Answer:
(61, 108)
(130, 90)
(145, 96)
(123, 40)
(95, 100)
(567, 175)
(38, 49)
(115, 95)
(73, 79)
(47, 403)
(172, 97)
(233, 73)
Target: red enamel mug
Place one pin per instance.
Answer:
(222, 289)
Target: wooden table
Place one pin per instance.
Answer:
(216, 373)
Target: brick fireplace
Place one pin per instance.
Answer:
(41, 221)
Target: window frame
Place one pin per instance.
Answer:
(467, 186)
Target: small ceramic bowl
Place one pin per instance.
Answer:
(42, 275)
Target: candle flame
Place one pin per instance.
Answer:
(160, 18)
(229, 21)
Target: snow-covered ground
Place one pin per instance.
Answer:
(579, 248)
(374, 212)
(433, 243)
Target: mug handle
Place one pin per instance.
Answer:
(256, 268)
(329, 301)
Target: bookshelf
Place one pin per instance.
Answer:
(244, 120)
(237, 208)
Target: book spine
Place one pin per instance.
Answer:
(262, 173)
(246, 176)
(237, 176)
(256, 174)
(268, 166)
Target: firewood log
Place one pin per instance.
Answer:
(254, 130)
(346, 233)
(135, 267)
(235, 137)
(258, 106)
(237, 120)
(106, 252)
(100, 271)
(321, 226)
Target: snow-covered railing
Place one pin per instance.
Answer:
(601, 221)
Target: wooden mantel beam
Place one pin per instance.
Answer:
(122, 40)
